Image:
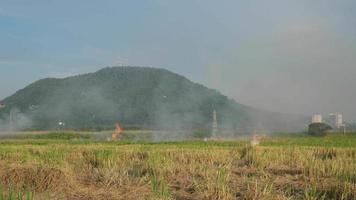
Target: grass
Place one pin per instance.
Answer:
(282, 167)
(52, 135)
(331, 140)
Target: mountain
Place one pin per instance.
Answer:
(138, 97)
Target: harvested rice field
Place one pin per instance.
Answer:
(284, 167)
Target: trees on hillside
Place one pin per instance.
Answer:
(318, 129)
(134, 96)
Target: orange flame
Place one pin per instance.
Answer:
(118, 131)
(118, 128)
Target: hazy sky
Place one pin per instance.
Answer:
(291, 56)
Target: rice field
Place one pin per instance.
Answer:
(73, 166)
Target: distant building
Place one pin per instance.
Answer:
(317, 118)
(2, 105)
(336, 120)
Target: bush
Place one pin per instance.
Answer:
(318, 129)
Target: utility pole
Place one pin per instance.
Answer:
(215, 125)
(12, 119)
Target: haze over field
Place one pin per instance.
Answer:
(295, 56)
(137, 97)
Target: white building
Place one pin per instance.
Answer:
(2, 105)
(336, 120)
(317, 118)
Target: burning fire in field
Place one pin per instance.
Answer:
(256, 139)
(118, 130)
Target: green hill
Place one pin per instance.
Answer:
(136, 97)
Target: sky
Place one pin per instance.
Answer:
(289, 56)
